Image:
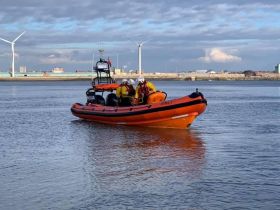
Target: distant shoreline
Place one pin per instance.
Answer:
(150, 76)
(154, 79)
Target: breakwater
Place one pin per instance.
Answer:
(153, 76)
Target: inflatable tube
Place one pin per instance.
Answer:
(175, 113)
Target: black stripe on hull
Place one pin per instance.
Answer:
(146, 111)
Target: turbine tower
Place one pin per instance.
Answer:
(13, 51)
(140, 57)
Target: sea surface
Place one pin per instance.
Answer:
(228, 159)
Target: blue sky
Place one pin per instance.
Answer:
(182, 35)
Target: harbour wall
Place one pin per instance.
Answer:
(153, 76)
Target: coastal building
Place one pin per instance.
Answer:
(201, 71)
(132, 71)
(211, 72)
(22, 69)
(57, 70)
(117, 71)
(277, 68)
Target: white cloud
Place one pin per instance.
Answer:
(219, 56)
(55, 60)
(5, 54)
(8, 55)
(62, 57)
(51, 56)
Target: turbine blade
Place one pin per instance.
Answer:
(18, 36)
(6, 40)
(145, 41)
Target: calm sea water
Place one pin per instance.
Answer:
(228, 159)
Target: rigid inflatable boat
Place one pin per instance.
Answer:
(158, 112)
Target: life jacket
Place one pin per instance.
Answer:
(131, 90)
(122, 92)
(143, 90)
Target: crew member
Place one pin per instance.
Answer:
(143, 89)
(124, 93)
(131, 82)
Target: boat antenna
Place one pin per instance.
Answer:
(101, 52)
(92, 64)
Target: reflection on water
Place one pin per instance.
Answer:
(149, 137)
(117, 154)
(164, 142)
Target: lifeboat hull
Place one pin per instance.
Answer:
(176, 113)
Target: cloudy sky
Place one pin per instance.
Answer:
(180, 34)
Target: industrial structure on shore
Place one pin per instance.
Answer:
(60, 74)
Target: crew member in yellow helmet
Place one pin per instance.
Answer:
(124, 93)
(143, 89)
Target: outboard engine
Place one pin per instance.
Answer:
(99, 100)
(112, 100)
(92, 98)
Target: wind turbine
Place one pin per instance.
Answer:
(140, 57)
(13, 51)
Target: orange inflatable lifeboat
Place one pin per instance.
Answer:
(158, 112)
(176, 113)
